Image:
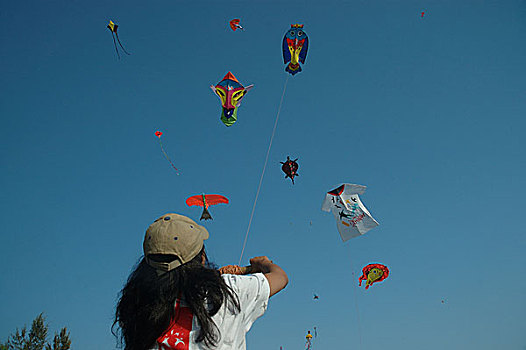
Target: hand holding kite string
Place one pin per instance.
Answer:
(257, 264)
(159, 134)
(236, 270)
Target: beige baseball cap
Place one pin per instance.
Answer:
(173, 234)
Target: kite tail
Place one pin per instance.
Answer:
(115, 44)
(123, 49)
(168, 158)
(206, 215)
(293, 68)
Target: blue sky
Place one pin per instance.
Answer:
(428, 112)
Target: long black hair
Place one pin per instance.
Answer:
(147, 302)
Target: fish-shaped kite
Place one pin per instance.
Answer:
(373, 273)
(352, 217)
(230, 92)
(206, 200)
(113, 29)
(295, 46)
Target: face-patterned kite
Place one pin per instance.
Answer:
(231, 92)
(373, 273)
(352, 217)
(295, 46)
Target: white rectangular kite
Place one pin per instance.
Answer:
(352, 217)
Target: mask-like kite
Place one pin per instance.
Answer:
(290, 168)
(231, 92)
(234, 24)
(295, 46)
(352, 217)
(373, 273)
(113, 29)
(206, 200)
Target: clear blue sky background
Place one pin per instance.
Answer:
(429, 113)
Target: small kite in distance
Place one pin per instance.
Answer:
(159, 134)
(290, 168)
(316, 297)
(234, 24)
(422, 15)
(113, 29)
(373, 273)
(308, 344)
(206, 200)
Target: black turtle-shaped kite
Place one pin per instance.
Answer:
(290, 168)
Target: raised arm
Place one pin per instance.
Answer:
(276, 277)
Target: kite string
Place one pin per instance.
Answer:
(264, 167)
(356, 304)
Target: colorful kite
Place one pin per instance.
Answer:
(373, 273)
(308, 337)
(316, 297)
(352, 217)
(234, 24)
(113, 29)
(231, 92)
(159, 134)
(290, 168)
(206, 200)
(295, 46)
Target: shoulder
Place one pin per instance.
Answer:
(245, 281)
(255, 284)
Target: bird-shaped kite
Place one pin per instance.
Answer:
(234, 24)
(206, 200)
(113, 29)
(373, 273)
(290, 168)
(230, 92)
(295, 46)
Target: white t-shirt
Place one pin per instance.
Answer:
(253, 292)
